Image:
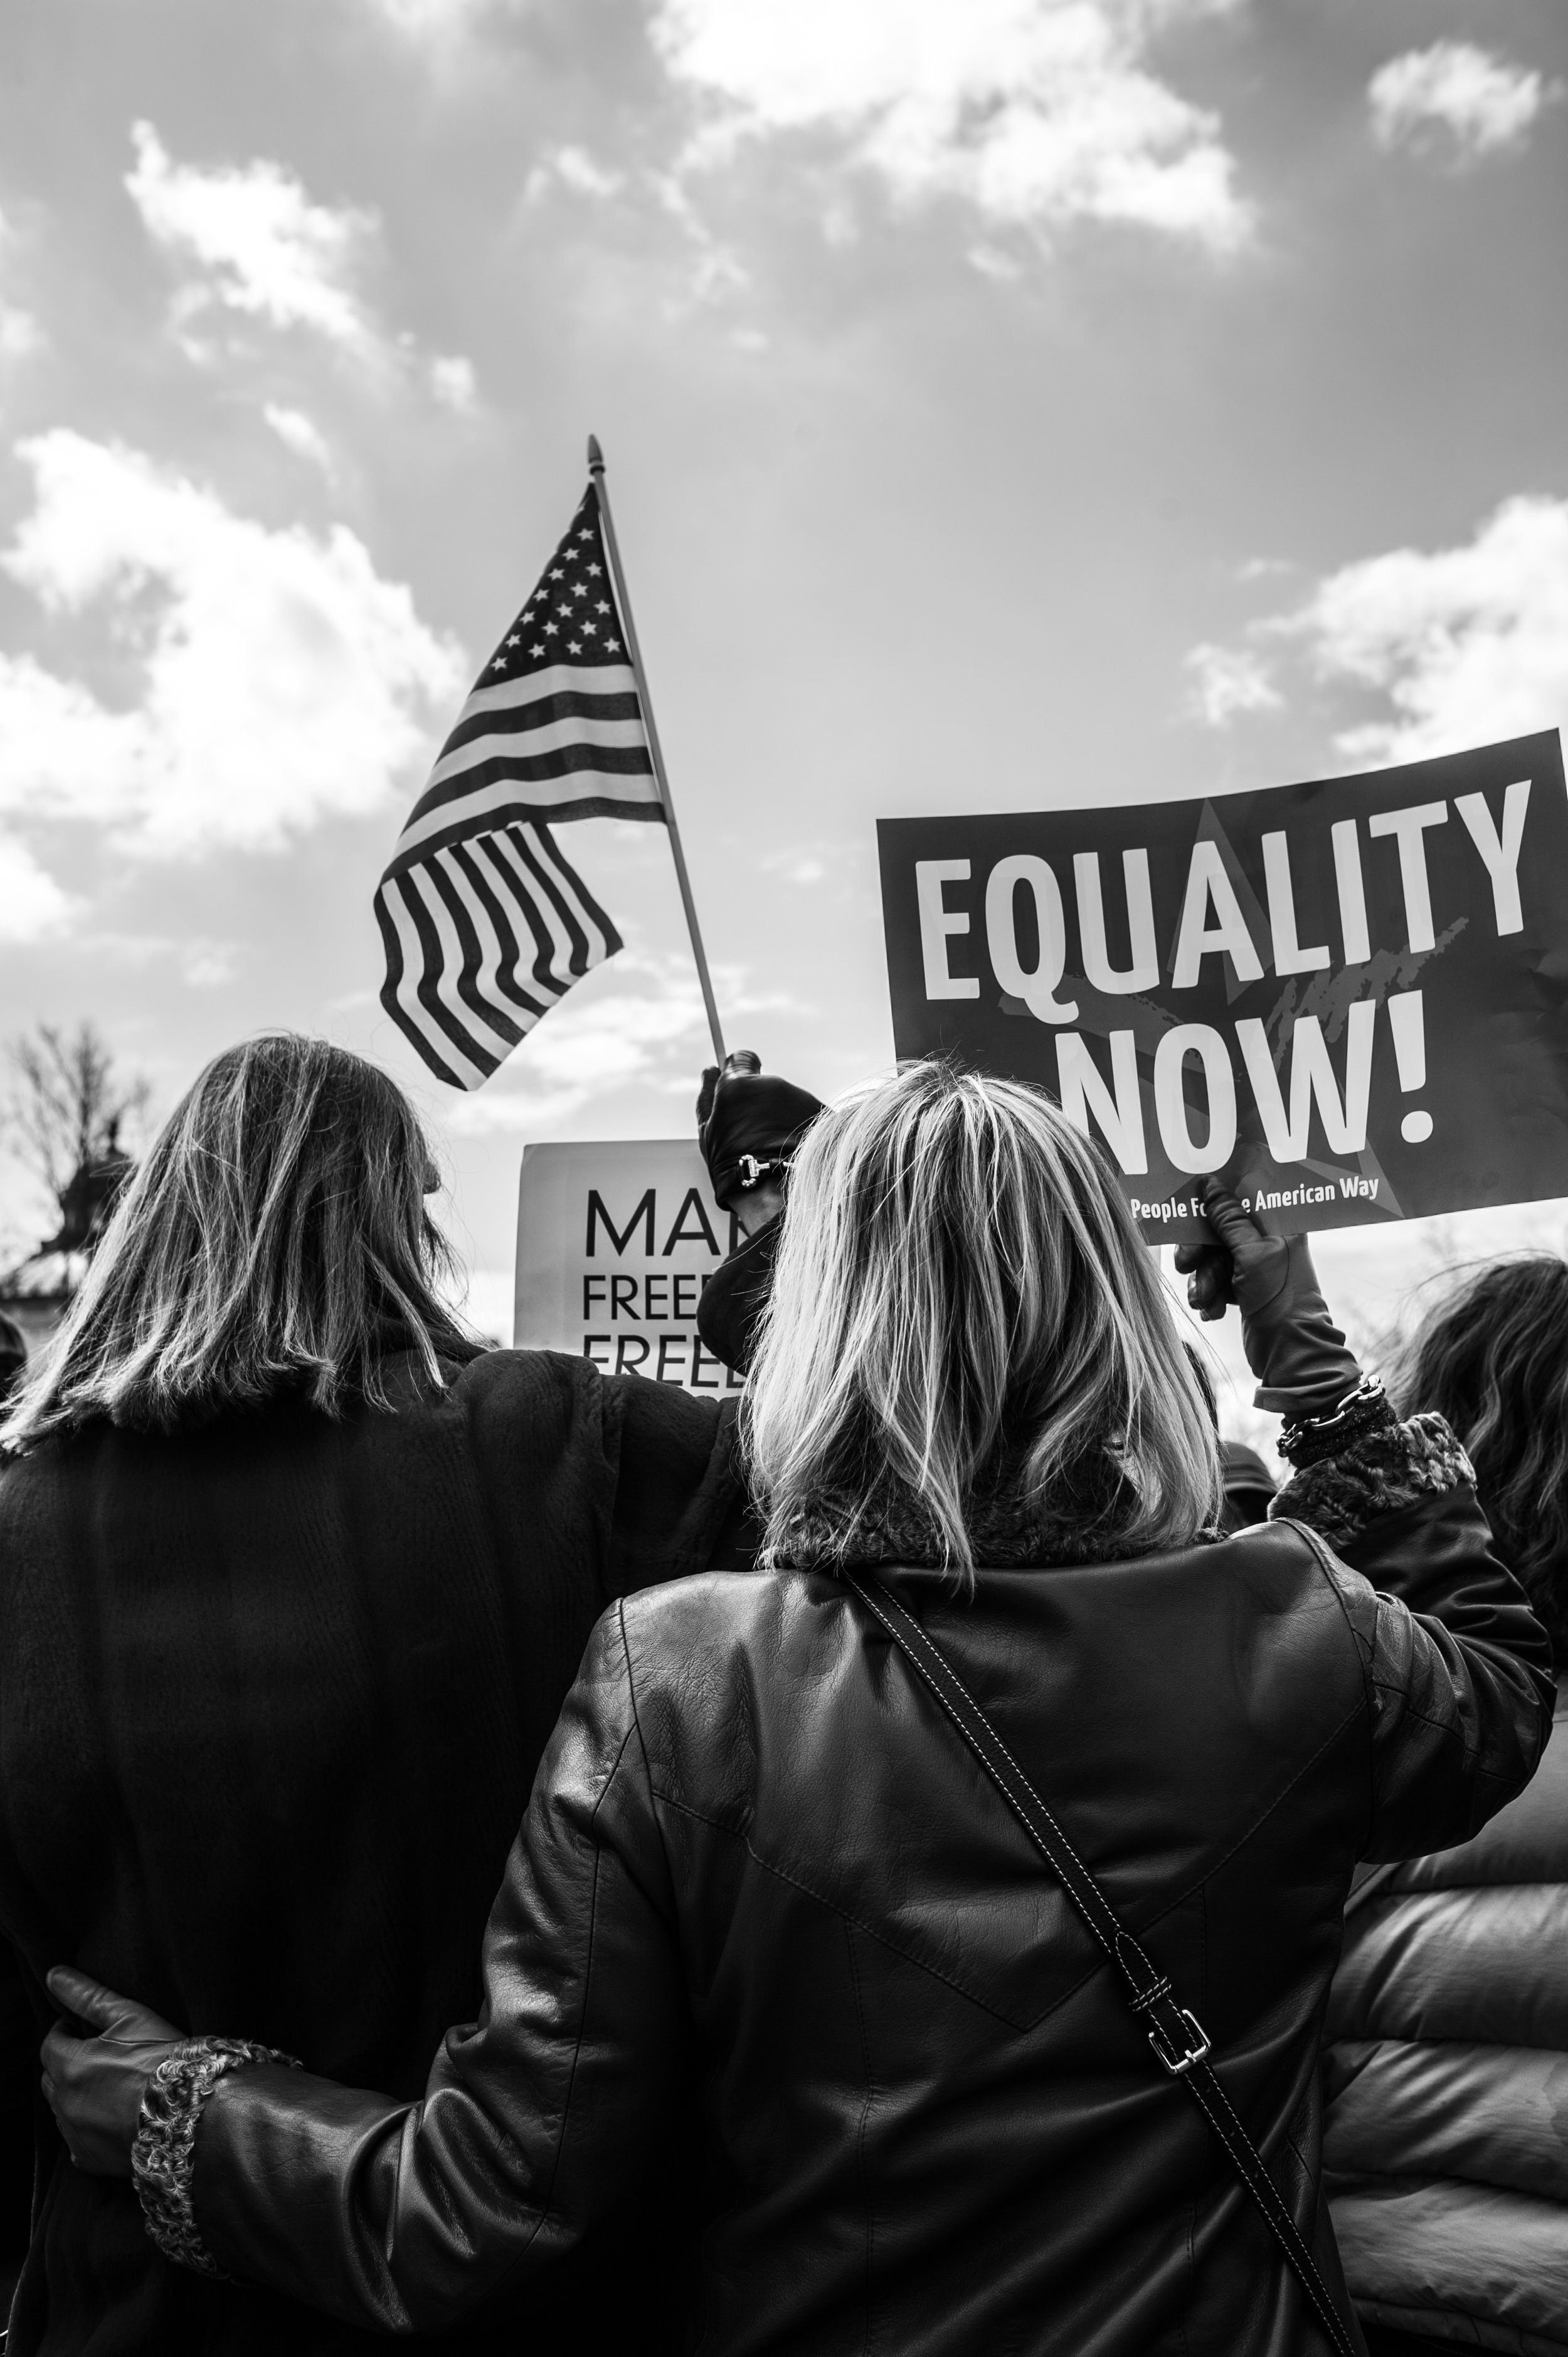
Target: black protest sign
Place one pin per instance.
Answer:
(1348, 998)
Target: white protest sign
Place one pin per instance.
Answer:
(615, 1242)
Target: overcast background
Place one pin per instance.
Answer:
(1007, 402)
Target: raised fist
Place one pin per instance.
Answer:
(749, 1123)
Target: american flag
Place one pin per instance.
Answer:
(484, 924)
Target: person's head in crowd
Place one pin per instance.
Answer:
(968, 1346)
(276, 1237)
(1249, 1487)
(1492, 1357)
(13, 1356)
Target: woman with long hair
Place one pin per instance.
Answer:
(293, 1576)
(778, 1926)
(1446, 2142)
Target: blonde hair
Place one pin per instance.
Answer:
(963, 1310)
(276, 1236)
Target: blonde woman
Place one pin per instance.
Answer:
(293, 1579)
(772, 1934)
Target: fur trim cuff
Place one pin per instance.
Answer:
(1379, 1472)
(163, 2157)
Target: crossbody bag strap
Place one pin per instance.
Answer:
(1177, 2037)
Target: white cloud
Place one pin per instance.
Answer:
(1227, 682)
(574, 168)
(258, 242)
(638, 1021)
(31, 903)
(250, 238)
(1464, 645)
(281, 681)
(299, 433)
(1468, 645)
(19, 331)
(453, 383)
(1476, 102)
(1035, 113)
(430, 23)
(634, 1030)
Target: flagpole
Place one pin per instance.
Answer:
(596, 469)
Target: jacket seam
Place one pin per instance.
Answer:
(1281, 1797)
(1471, 1752)
(543, 2207)
(636, 1728)
(861, 2132)
(1364, 1661)
(588, 1982)
(782, 1873)
(1202, 1880)
(1100, 1964)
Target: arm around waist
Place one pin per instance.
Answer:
(543, 2125)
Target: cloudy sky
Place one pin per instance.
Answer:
(1006, 401)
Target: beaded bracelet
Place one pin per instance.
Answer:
(162, 2157)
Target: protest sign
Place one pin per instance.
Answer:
(1348, 997)
(614, 1244)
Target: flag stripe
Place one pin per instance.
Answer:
(500, 806)
(490, 889)
(484, 923)
(533, 731)
(556, 692)
(399, 975)
(478, 948)
(411, 998)
(438, 992)
(617, 754)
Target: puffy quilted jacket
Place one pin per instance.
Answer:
(1446, 2144)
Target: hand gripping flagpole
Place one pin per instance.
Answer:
(596, 469)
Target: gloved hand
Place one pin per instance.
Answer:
(1298, 1354)
(749, 1124)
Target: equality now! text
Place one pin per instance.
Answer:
(1213, 924)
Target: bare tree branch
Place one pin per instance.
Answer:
(67, 1102)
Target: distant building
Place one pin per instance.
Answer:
(38, 1290)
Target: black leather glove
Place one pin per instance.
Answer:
(1298, 1354)
(735, 1297)
(749, 1123)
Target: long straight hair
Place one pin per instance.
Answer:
(276, 1237)
(1493, 1358)
(961, 1301)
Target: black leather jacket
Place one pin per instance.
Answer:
(758, 1872)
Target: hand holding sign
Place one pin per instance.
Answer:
(1293, 1346)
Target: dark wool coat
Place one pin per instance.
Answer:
(272, 1696)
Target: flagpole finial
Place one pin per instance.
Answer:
(596, 456)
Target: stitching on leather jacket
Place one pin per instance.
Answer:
(1179, 1898)
(1330, 1567)
(872, 1931)
(865, 2109)
(598, 1850)
(1241, 1839)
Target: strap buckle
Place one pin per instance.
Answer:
(1195, 2037)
